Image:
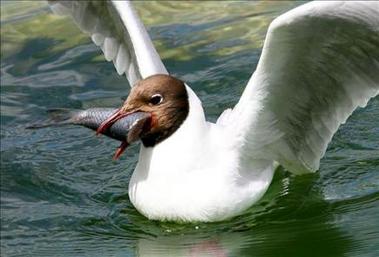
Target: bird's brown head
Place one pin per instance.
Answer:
(165, 98)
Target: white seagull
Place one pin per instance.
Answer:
(319, 62)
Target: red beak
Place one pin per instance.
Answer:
(120, 150)
(119, 114)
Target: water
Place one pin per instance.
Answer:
(62, 195)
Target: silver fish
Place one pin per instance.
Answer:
(127, 129)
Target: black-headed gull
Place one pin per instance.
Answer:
(319, 62)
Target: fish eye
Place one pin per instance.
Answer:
(156, 99)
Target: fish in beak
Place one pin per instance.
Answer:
(163, 99)
(127, 128)
(135, 131)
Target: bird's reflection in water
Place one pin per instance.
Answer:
(291, 221)
(190, 246)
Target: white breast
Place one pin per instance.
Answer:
(195, 175)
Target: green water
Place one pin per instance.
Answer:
(62, 195)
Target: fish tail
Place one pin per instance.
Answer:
(56, 117)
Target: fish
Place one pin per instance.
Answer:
(127, 130)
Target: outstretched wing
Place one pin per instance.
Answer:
(319, 62)
(114, 26)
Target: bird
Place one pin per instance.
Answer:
(319, 62)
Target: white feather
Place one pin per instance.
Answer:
(111, 24)
(110, 48)
(122, 60)
(319, 62)
(98, 39)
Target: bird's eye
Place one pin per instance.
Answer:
(156, 99)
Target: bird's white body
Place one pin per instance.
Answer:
(319, 62)
(197, 173)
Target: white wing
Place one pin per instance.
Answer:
(319, 62)
(115, 27)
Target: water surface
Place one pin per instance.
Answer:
(62, 195)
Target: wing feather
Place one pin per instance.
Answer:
(319, 62)
(115, 27)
